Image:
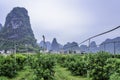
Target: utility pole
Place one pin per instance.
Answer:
(26, 46)
(15, 48)
(114, 49)
(43, 43)
(89, 46)
(15, 52)
(104, 47)
(88, 72)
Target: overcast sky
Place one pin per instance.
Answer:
(68, 20)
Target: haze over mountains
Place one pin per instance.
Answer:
(17, 32)
(54, 46)
(108, 45)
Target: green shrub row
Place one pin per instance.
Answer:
(9, 65)
(43, 66)
(99, 66)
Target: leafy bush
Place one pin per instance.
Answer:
(96, 64)
(62, 60)
(3, 78)
(115, 76)
(117, 56)
(20, 60)
(113, 67)
(99, 66)
(78, 68)
(44, 67)
(8, 67)
(10, 64)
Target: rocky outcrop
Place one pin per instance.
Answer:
(18, 25)
(83, 48)
(55, 45)
(71, 47)
(46, 45)
(110, 44)
(17, 29)
(93, 47)
(0, 26)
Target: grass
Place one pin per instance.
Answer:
(26, 74)
(60, 74)
(63, 74)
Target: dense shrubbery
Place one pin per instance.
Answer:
(20, 60)
(9, 65)
(115, 76)
(97, 66)
(100, 66)
(113, 65)
(43, 66)
(117, 56)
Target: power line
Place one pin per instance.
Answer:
(95, 36)
(100, 34)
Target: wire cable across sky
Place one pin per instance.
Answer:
(100, 34)
(95, 36)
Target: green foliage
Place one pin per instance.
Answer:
(115, 76)
(3, 78)
(78, 68)
(99, 66)
(20, 60)
(74, 63)
(8, 67)
(43, 66)
(113, 66)
(117, 56)
(96, 66)
(62, 60)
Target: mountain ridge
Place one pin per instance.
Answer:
(17, 30)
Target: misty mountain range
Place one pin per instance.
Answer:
(109, 45)
(17, 30)
(54, 46)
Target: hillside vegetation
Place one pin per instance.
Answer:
(99, 66)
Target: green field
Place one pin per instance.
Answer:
(99, 66)
(60, 74)
(64, 74)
